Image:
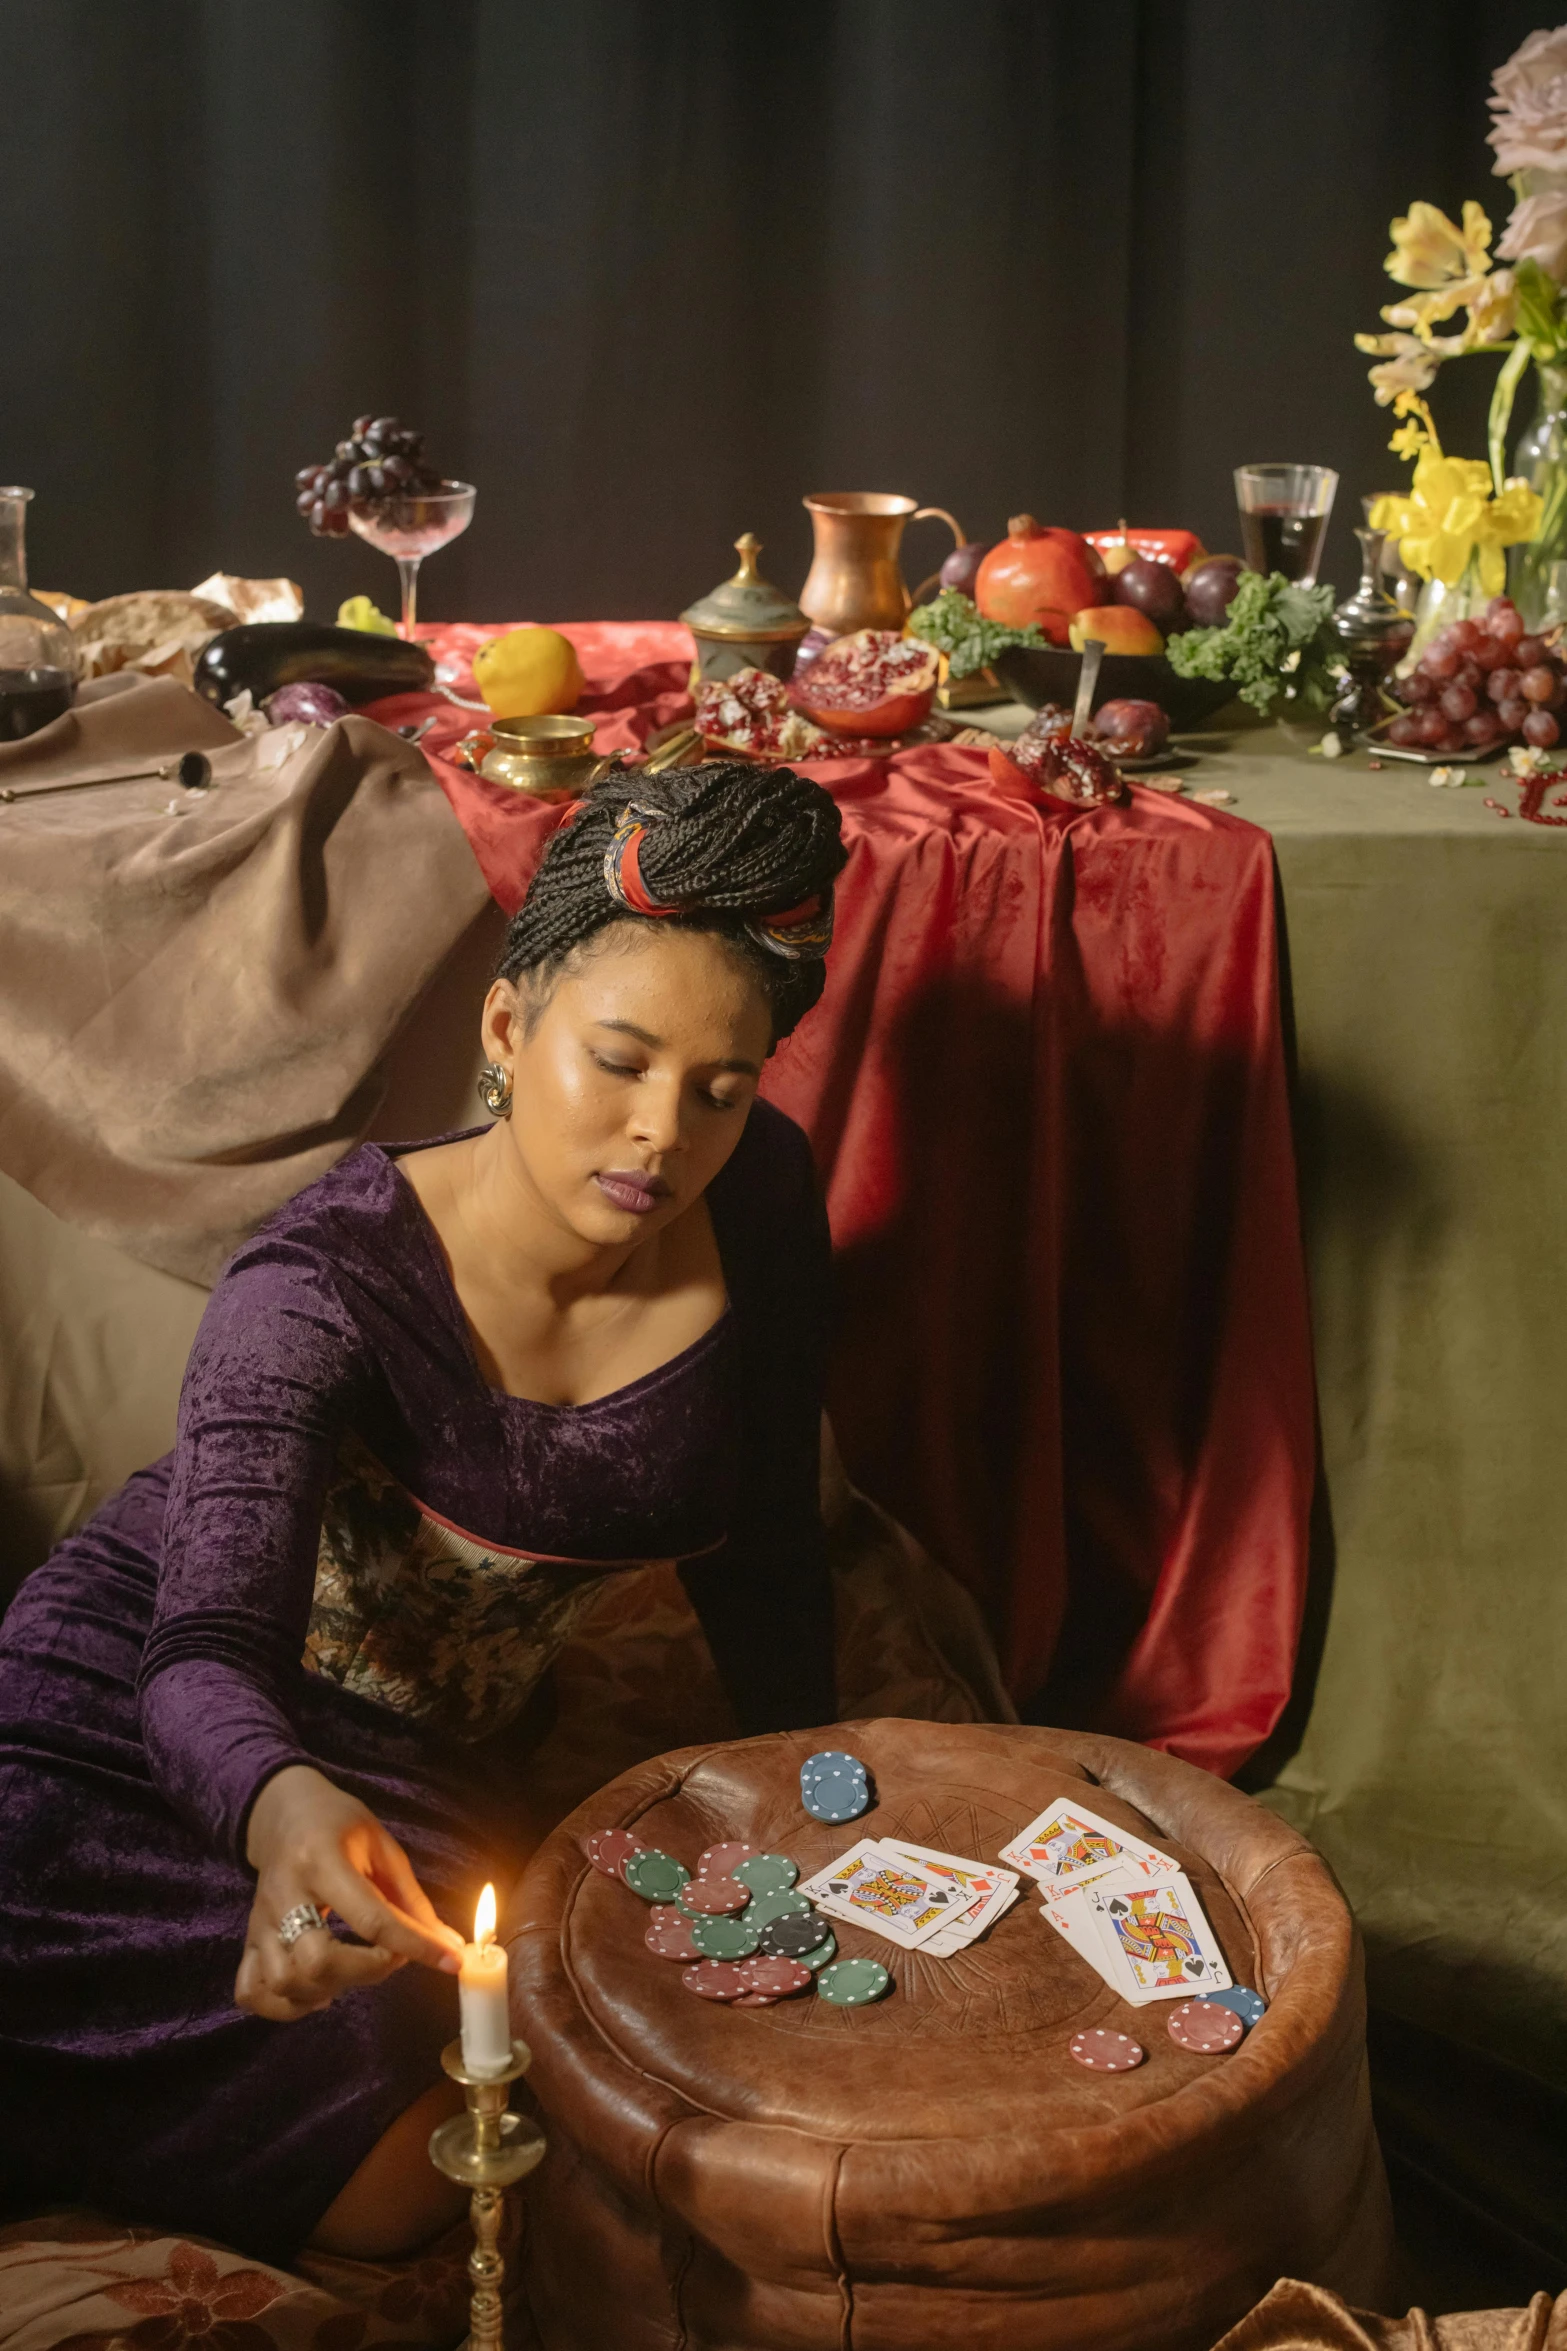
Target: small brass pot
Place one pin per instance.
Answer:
(551, 758)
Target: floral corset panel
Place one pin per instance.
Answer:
(432, 1622)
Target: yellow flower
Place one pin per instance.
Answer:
(1406, 365)
(1450, 515)
(1430, 250)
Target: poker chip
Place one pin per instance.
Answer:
(724, 1938)
(1248, 2005)
(767, 1873)
(853, 1983)
(830, 1759)
(719, 1860)
(794, 1933)
(766, 1907)
(712, 1897)
(1203, 2025)
(755, 2000)
(609, 1849)
(776, 1976)
(836, 1796)
(657, 1877)
(1104, 2052)
(823, 1955)
(711, 1979)
(669, 1934)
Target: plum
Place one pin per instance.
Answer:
(1152, 589)
(1136, 729)
(963, 564)
(1210, 589)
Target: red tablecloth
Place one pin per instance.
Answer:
(1046, 1092)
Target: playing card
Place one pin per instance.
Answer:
(1157, 1939)
(995, 1887)
(1076, 1922)
(881, 1891)
(1068, 1844)
(971, 1927)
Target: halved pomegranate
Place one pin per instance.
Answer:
(873, 683)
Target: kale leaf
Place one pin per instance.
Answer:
(955, 626)
(1274, 638)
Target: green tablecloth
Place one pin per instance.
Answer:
(1426, 1749)
(1427, 942)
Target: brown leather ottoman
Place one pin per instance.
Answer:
(936, 2169)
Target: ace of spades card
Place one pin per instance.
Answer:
(1157, 1939)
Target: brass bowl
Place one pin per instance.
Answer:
(552, 757)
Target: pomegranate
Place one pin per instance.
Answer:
(873, 683)
(1036, 577)
(1068, 771)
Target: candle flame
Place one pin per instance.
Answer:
(484, 1918)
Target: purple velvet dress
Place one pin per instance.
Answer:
(361, 1556)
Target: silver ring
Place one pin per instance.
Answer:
(297, 1922)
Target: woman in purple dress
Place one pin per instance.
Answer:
(260, 1719)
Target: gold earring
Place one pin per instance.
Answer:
(495, 1089)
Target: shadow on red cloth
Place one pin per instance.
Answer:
(1046, 1090)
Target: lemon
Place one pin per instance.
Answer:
(528, 672)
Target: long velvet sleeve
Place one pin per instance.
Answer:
(276, 1365)
(765, 1598)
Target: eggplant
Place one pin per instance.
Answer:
(266, 654)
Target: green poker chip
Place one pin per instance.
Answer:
(725, 1938)
(823, 1955)
(767, 1873)
(657, 1877)
(762, 1908)
(853, 1983)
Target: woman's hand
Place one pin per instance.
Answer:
(309, 1842)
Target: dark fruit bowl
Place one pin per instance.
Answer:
(1051, 676)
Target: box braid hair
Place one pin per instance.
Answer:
(748, 852)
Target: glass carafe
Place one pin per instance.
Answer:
(37, 651)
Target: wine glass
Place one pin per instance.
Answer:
(410, 528)
(1284, 513)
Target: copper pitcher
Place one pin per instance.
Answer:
(854, 581)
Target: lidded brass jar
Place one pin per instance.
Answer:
(746, 623)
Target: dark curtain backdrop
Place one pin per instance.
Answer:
(648, 270)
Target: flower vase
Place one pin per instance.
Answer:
(1541, 457)
(1442, 601)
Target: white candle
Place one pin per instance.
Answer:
(481, 1987)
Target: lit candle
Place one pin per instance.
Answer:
(486, 2015)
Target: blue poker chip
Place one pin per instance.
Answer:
(836, 1796)
(1242, 2002)
(830, 1759)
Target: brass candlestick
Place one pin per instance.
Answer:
(486, 2149)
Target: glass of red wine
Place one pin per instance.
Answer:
(1284, 513)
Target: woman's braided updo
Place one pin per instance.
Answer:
(722, 847)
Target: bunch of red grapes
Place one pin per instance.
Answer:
(1482, 683)
(380, 459)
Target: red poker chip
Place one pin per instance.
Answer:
(610, 1849)
(714, 1897)
(669, 1934)
(756, 2000)
(719, 1860)
(777, 1978)
(1104, 2052)
(1206, 2027)
(715, 1979)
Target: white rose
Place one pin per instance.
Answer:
(1530, 106)
(1538, 232)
